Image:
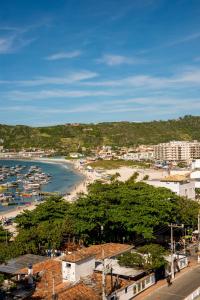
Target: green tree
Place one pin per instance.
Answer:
(146, 177)
(149, 257)
(153, 256)
(134, 260)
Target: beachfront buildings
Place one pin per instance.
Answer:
(178, 184)
(146, 155)
(177, 151)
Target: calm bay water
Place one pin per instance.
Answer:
(63, 176)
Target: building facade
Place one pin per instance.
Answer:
(177, 184)
(177, 151)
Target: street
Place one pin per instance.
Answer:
(180, 288)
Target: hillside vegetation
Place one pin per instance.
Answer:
(73, 138)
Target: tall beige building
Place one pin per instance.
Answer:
(177, 151)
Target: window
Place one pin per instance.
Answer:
(126, 289)
(134, 290)
(143, 284)
(148, 280)
(68, 265)
(139, 287)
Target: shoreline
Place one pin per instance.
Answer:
(87, 177)
(68, 196)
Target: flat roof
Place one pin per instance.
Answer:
(13, 266)
(120, 270)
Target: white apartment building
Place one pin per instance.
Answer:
(177, 151)
(148, 155)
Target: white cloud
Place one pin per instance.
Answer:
(184, 79)
(70, 78)
(116, 60)
(14, 42)
(158, 106)
(49, 94)
(13, 38)
(40, 110)
(7, 44)
(184, 39)
(63, 55)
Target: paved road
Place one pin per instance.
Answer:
(180, 288)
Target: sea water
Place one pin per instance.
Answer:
(63, 179)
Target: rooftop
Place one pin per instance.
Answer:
(13, 266)
(175, 178)
(78, 291)
(119, 270)
(77, 256)
(98, 251)
(90, 288)
(49, 273)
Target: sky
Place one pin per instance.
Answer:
(93, 61)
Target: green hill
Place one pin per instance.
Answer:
(72, 137)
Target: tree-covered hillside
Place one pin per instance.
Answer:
(74, 137)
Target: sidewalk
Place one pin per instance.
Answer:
(155, 292)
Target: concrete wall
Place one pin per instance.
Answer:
(68, 271)
(134, 289)
(85, 268)
(74, 271)
(182, 189)
(196, 164)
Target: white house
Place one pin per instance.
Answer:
(138, 281)
(178, 184)
(86, 265)
(76, 266)
(195, 164)
(195, 175)
(133, 289)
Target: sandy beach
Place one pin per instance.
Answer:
(127, 172)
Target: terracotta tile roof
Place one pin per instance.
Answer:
(79, 291)
(106, 250)
(97, 278)
(77, 256)
(49, 272)
(88, 288)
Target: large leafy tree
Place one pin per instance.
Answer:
(129, 211)
(44, 227)
(149, 257)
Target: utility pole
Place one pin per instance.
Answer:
(173, 246)
(103, 277)
(172, 252)
(53, 287)
(198, 237)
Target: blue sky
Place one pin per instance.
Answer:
(94, 61)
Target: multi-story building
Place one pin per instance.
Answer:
(177, 151)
